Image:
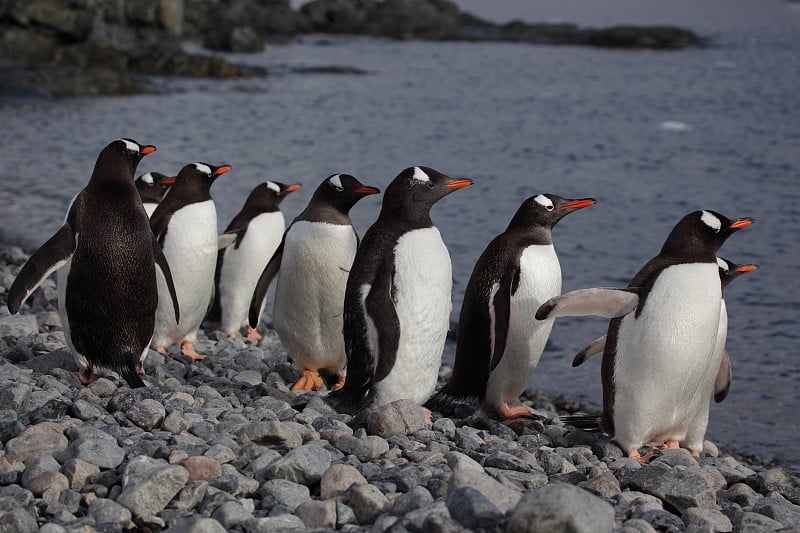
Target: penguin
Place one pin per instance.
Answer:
(106, 259)
(152, 187)
(312, 265)
(258, 228)
(398, 297)
(185, 224)
(659, 360)
(499, 342)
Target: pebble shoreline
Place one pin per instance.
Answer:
(223, 445)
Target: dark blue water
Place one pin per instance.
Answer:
(651, 135)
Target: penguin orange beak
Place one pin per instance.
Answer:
(579, 204)
(740, 223)
(222, 170)
(294, 187)
(148, 149)
(746, 268)
(460, 184)
(367, 190)
(169, 181)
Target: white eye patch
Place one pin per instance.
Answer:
(203, 168)
(273, 187)
(420, 175)
(711, 221)
(147, 178)
(544, 201)
(133, 147)
(336, 181)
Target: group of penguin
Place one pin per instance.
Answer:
(140, 265)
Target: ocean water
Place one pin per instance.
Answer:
(651, 135)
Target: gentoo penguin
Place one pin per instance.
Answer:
(105, 255)
(152, 186)
(185, 224)
(258, 228)
(659, 360)
(398, 298)
(312, 264)
(499, 342)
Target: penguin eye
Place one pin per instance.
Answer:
(340, 189)
(549, 207)
(430, 184)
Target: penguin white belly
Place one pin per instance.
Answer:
(190, 247)
(242, 266)
(666, 363)
(309, 293)
(149, 207)
(540, 280)
(423, 283)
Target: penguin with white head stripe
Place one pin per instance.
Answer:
(398, 298)
(152, 187)
(660, 360)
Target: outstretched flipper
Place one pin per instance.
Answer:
(260, 294)
(51, 256)
(608, 303)
(595, 347)
(161, 262)
(501, 308)
(724, 377)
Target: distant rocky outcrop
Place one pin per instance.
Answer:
(72, 47)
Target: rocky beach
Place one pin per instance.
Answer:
(224, 445)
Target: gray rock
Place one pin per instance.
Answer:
(778, 508)
(401, 417)
(663, 520)
(506, 461)
(681, 488)
(100, 452)
(366, 449)
(635, 525)
(605, 485)
(780, 480)
(501, 496)
(459, 461)
(741, 494)
(272, 524)
(19, 521)
(446, 426)
(18, 326)
(190, 496)
(147, 414)
(368, 502)
(679, 457)
(15, 395)
(286, 492)
(271, 433)
(472, 509)
(149, 485)
(561, 507)
(338, 478)
(304, 465)
(231, 515)
(36, 466)
(105, 511)
(317, 513)
(705, 519)
(414, 499)
(194, 524)
(756, 523)
(84, 410)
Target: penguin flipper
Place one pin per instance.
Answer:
(724, 378)
(595, 347)
(51, 256)
(380, 309)
(500, 307)
(225, 240)
(161, 262)
(604, 302)
(260, 293)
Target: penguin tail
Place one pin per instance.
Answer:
(129, 369)
(442, 402)
(350, 399)
(591, 423)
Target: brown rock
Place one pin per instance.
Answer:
(202, 467)
(401, 417)
(338, 478)
(42, 437)
(49, 485)
(77, 470)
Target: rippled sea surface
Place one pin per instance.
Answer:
(651, 135)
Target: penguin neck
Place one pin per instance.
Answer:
(323, 211)
(528, 235)
(192, 190)
(416, 215)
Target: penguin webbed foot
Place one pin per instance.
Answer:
(187, 349)
(86, 375)
(310, 380)
(508, 412)
(639, 458)
(253, 334)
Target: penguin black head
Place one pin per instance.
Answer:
(545, 210)
(119, 159)
(414, 191)
(153, 185)
(198, 177)
(267, 196)
(342, 191)
(729, 271)
(701, 233)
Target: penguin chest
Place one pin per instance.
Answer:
(309, 294)
(242, 266)
(149, 207)
(666, 361)
(422, 298)
(539, 280)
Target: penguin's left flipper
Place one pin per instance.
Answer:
(608, 303)
(51, 256)
(724, 378)
(260, 293)
(226, 239)
(595, 347)
(501, 309)
(161, 262)
(380, 309)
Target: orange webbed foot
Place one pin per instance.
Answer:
(340, 382)
(427, 413)
(253, 334)
(670, 445)
(310, 380)
(233, 334)
(642, 459)
(86, 376)
(161, 349)
(507, 412)
(187, 349)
